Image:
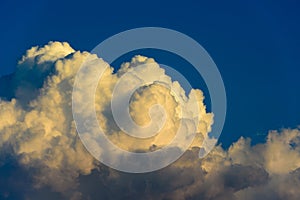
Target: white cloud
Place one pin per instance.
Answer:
(37, 129)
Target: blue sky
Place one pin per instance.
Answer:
(255, 44)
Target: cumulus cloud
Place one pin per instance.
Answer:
(39, 142)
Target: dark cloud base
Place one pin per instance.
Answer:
(189, 182)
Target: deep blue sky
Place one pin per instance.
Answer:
(255, 44)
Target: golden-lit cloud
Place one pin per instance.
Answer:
(38, 131)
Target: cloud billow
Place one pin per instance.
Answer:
(43, 155)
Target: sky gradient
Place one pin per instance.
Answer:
(256, 47)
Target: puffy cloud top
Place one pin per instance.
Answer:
(37, 130)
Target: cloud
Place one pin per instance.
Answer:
(41, 153)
